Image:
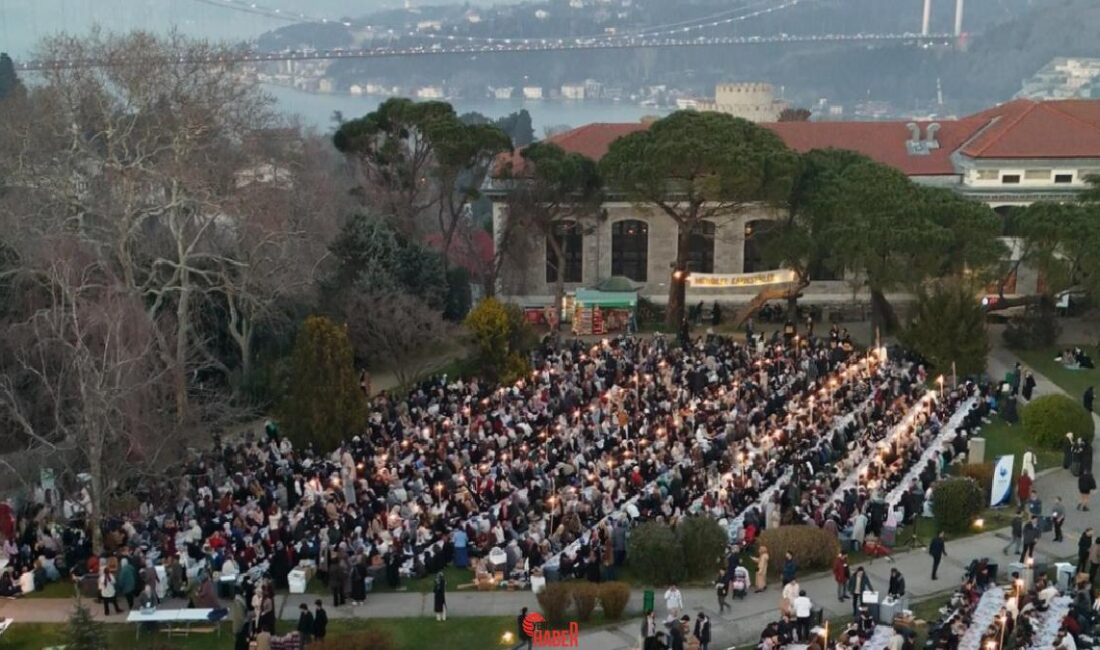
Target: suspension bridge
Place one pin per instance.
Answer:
(391, 43)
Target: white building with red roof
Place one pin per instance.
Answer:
(1010, 155)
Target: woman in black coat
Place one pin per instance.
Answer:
(358, 581)
(440, 592)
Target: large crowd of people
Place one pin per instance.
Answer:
(545, 474)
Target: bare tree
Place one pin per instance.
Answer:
(398, 331)
(85, 383)
(140, 160)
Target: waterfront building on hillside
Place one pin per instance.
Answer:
(1010, 155)
(755, 102)
(1062, 78)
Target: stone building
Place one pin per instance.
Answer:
(1010, 155)
(754, 102)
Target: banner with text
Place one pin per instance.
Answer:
(1001, 493)
(729, 280)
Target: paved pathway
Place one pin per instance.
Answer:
(746, 618)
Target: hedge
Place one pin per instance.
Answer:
(584, 599)
(956, 503)
(980, 472)
(812, 547)
(614, 597)
(656, 554)
(704, 543)
(1048, 418)
(363, 640)
(554, 601)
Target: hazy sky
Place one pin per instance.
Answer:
(23, 22)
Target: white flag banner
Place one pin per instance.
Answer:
(722, 280)
(1001, 493)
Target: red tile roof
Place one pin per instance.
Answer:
(1017, 129)
(1025, 128)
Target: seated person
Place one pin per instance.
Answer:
(9, 588)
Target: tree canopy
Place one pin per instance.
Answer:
(695, 167)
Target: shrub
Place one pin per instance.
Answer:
(614, 597)
(1047, 419)
(554, 601)
(704, 542)
(980, 472)
(362, 640)
(1036, 329)
(655, 553)
(502, 337)
(956, 502)
(812, 547)
(84, 632)
(584, 599)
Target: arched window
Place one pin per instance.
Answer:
(754, 253)
(569, 236)
(701, 248)
(630, 249)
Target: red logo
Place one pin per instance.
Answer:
(534, 626)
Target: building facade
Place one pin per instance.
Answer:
(1011, 155)
(754, 102)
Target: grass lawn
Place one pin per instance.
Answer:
(60, 589)
(1002, 438)
(454, 576)
(1073, 382)
(408, 634)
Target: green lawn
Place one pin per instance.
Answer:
(61, 589)
(1002, 438)
(454, 576)
(408, 634)
(1073, 382)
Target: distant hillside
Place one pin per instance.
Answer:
(1011, 39)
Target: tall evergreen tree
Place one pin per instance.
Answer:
(324, 403)
(9, 80)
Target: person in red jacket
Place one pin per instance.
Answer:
(841, 573)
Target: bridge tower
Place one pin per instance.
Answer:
(958, 17)
(927, 18)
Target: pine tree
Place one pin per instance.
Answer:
(9, 81)
(84, 632)
(324, 404)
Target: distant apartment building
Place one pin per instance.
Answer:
(429, 26)
(572, 91)
(356, 89)
(755, 102)
(502, 93)
(532, 92)
(429, 92)
(326, 85)
(1064, 78)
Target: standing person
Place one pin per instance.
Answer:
(649, 627)
(762, 569)
(1029, 464)
(1023, 488)
(107, 589)
(305, 625)
(803, 609)
(1031, 537)
(239, 616)
(897, 584)
(440, 592)
(320, 621)
(676, 632)
(1016, 543)
(702, 623)
(841, 573)
(1094, 560)
(1029, 385)
(721, 589)
(1058, 517)
(1069, 448)
(937, 549)
(674, 601)
(857, 584)
(127, 581)
(525, 639)
(1084, 543)
(358, 580)
(790, 568)
(1087, 398)
(1085, 485)
(786, 602)
(336, 579)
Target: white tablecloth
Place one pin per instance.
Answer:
(880, 639)
(168, 616)
(947, 433)
(1050, 621)
(989, 606)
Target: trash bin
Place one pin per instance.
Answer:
(647, 600)
(1066, 572)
